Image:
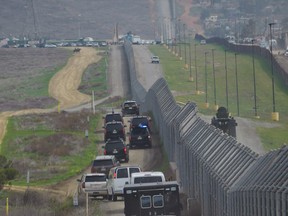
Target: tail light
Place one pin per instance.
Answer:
(115, 176)
(105, 152)
(125, 150)
(83, 184)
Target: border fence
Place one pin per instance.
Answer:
(224, 176)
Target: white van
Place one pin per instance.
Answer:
(147, 177)
(117, 178)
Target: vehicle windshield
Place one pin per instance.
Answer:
(102, 162)
(95, 178)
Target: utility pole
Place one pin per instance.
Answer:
(226, 80)
(206, 84)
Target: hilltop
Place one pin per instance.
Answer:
(70, 19)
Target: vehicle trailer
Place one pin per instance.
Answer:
(152, 199)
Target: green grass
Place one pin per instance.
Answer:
(94, 79)
(71, 166)
(177, 77)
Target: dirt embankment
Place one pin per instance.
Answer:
(191, 21)
(63, 86)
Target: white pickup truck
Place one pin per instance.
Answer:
(94, 184)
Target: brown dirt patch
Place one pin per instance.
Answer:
(63, 86)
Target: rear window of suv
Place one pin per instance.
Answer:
(102, 162)
(111, 127)
(129, 104)
(113, 117)
(139, 130)
(137, 121)
(114, 145)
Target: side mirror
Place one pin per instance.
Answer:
(103, 147)
(128, 133)
(78, 180)
(103, 127)
(125, 125)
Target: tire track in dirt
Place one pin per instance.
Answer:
(63, 86)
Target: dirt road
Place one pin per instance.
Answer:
(63, 86)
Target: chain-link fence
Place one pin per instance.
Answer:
(226, 177)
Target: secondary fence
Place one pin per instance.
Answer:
(226, 177)
(248, 49)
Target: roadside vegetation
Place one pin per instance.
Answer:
(52, 147)
(95, 77)
(178, 78)
(29, 87)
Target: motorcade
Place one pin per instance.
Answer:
(103, 164)
(130, 107)
(117, 178)
(114, 130)
(118, 148)
(138, 121)
(155, 59)
(147, 177)
(152, 199)
(94, 184)
(140, 137)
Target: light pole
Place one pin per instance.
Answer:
(79, 27)
(184, 38)
(179, 38)
(237, 91)
(206, 77)
(274, 114)
(226, 79)
(190, 68)
(196, 73)
(254, 81)
(214, 80)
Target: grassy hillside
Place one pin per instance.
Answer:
(63, 19)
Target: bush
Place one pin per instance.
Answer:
(6, 172)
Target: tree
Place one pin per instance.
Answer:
(7, 173)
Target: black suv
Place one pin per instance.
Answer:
(130, 108)
(140, 137)
(114, 130)
(118, 148)
(138, 121)
(110, 117)
(103, 164)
